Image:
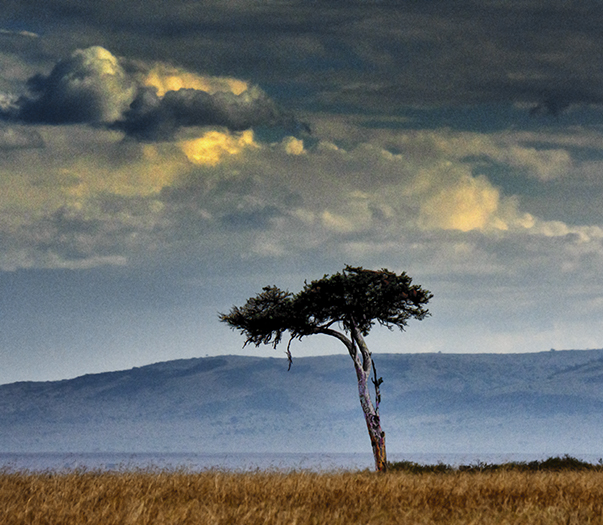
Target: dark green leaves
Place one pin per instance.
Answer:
(362, 297)
(264, 318)
(353, 297)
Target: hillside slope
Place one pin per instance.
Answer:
(550, 402)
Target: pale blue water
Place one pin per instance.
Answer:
(241, 461)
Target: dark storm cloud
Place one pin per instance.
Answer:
(93, 86)
(88, 87)
(370, 56)
(547, 55)
(151, 117)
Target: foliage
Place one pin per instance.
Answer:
(553, 464)
(354, 297)
(264, 318)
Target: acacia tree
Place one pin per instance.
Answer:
(346, 306)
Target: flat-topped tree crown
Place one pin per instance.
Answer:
(355, 296)
(362, 297)
(345, 305)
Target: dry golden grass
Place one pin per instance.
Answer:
(212, 497)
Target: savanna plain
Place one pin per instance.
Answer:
(408, 493)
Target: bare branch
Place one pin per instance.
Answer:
(288, 352)
(377, 383)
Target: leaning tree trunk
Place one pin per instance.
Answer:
(363, 363)
(363, 367)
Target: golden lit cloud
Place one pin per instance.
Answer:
(293, 146)
(94, 193)
(148, 102)
(471, 204)
(211, 147)
(165, 78)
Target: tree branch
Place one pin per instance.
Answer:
(288, 352)
(366, 354)
(334, 333)
(377, 383)
(350, 344)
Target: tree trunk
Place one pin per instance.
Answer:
(363, 364)
(373, 422)
(371, 411)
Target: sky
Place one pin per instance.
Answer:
(161, 161)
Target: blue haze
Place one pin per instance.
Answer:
(475, 406)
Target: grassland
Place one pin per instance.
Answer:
(408, 493)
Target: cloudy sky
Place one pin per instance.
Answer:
(161, 161)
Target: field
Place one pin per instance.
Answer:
(407, 495)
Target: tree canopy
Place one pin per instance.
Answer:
(355, 297)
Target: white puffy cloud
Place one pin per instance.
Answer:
(551, 160)
(544, 164)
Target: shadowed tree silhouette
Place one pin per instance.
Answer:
(346, 306)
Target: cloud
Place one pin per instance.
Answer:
(164, 78)
(469, 205)
(151, 117)
(27, 34)
(212, 146)
(19, 138)
(293, 146)
(371, 55)
(541, 155)
(88, 87)
(148, 102)
(505, 228)
(88, 197)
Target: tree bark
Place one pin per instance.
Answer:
(371, 411)
(363, 365)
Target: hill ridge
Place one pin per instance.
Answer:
(546, 402)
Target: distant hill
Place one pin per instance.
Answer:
(549, 402)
